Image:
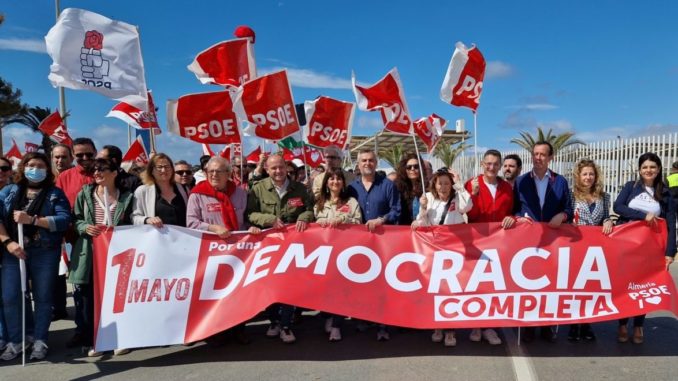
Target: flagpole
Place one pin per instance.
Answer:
(421, 169)
(475, 142)
(62, 93)
(152, 141)
(303, 155)
(129, 136)
(22, 276)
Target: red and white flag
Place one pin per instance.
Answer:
(30, 147)
(204, 118)
(253, 157)
(388, 97)
(328, 122)
(207, 150)
(92, 52)
(227, 152)
(311, 156)
(463, 82)
(136, 117)
(14, 155)
(228, 63)
(237, 150)
(266, 106)
(136, 153)
(53, 126)
(430, 130)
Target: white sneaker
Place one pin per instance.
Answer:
(121, 352)
(273, 330)
(475, 335)
(437, 336)
(11, 352)
(39, 350)
(335, 334)
(287, 336)
(92, 353)
(328, 325)
(491, 336)
(450, 339)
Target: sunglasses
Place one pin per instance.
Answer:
(412, 167)
(101, 169)
(183, 173)
(89, 155)
(5, 168)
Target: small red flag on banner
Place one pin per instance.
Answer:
(137, 153)
(463, 81)
(228, 63)
(53, 126)
(204, 118)
(266, 106)
(430, 130)
(329, 122)
(136, 117)
(30, 147)
(386, 96)
(14, 155)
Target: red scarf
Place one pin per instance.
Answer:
(227, 210)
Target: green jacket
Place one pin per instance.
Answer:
(264, 205)
(83, 215)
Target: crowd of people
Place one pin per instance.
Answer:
(62, 202)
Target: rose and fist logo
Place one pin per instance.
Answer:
(93, 64)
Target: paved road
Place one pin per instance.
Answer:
(410, 355)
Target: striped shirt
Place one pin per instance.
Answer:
(99, 208)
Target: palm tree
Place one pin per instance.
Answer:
(393, 155)
(31, 117)
(448, 153)
(558, 142)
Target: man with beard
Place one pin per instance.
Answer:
(512, 167)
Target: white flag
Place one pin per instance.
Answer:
(93, 52)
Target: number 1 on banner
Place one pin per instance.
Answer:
(126, 261)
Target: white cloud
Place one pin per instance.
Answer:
(21, 134)
(498, 69)
(540, 106)
(310, 79)
(655, 129)
(603, 134)
(26, 45)
(369, 122)
(558, 126)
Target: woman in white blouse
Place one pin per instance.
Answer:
(444, 204)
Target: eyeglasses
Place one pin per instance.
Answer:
(331, 157)
(412, 167)
(163, 167)
(183, 173)
(5, 168)
(82, 155)
(216, 172)
(101, 169)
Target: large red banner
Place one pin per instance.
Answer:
(475, 275)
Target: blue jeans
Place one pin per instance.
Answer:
(42, 266)
(3, 326)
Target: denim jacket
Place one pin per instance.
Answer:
(55, 209)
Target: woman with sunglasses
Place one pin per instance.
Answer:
(5, 174)
(333, 207)
(444, 204)
(97, 207)
(5, 171)
(160, 200)
(646, 199)
(44, 212)
(408, 182)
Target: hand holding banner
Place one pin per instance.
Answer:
(204, 118)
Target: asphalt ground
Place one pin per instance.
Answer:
(409, 355)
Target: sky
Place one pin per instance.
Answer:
(601, 69)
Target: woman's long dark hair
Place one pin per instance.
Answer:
(21, 180)
(325, 194)
(658, 184)
(408, 189)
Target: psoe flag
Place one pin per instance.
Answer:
(53, 126)
(228, 63)
(329, 122)
(388, 97)
(463, 81)
(204, 118)
(93, 52)
(136, 153)
(135, 117)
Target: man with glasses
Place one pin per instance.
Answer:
(333, 158)
(128, 182)
(183, 174)
(73, 179)
(272, 203)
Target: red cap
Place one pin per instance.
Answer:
(244, 31)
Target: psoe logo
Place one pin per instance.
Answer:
(92, 64)
(647, 293)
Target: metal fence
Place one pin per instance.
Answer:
(617, 159)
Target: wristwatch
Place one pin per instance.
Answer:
(6, 242)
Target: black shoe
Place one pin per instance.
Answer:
(78, 340)
(548, 333)
(587, 332)
(527, 335)
(575, 333)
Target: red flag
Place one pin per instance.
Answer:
(136, 153)
(228, 63)
(136, 117)
(226, 152)
(14, 155)
(266, 106)
(329, 122)
(288, 155)
(237, 150)
(311, 156)
(203, 118)
(430, 130)
(30, 147)
(53, 126)
(207, 150)
(386, 96)
(253, 157)
(463, 82)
